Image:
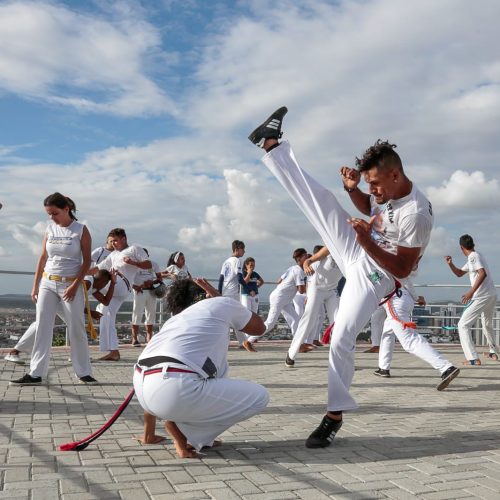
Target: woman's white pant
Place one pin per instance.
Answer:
(377, 325)
(144, 302)
(202, 408)
(317, 299)
(483, 308)
(366, 282)
(108, 337)
(251, 302)
(49, 299)
(411, 341)
(27, 340)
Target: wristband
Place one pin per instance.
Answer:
(350, 190)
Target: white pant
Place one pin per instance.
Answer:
(483, 308)
(317, 299)
(377, 325)
(25, 343)
(250, 302)
(144, 302)
(366, 282)
(411, 341)
(202, 408)
(49, 299)
(108, 338)
(240, 336)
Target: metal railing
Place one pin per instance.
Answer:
(437, 321)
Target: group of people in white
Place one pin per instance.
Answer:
(377, 258)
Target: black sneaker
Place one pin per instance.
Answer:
(27, 379)
(323, 435)
(87, 379)
(447, 377)
(289, 361)
(382, 373)
(270, 129)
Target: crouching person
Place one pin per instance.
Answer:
(182, 374)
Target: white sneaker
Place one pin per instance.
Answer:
(14, 358)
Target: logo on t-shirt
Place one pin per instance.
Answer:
(375, 277)
(59, 240)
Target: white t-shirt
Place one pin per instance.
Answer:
(230, 270)
(114, 261)
(476, 261)
(406, 222)
(199, 335)
(326, 274)
(292, 278)
(64, 249)
(182, 273)
(147, 274)
(99, 254)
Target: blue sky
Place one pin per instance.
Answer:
(140, 111)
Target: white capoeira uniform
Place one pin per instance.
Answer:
(181, 273)
(404, 222)
(108, 337)
(27, 340)
(482, 306)
(64, 261)
(321, 291)
(205, 403)
(145, 301)
(231, 270)
(99, 254)
(377, 325)
(281, 300)
(398, 324)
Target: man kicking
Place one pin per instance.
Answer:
(181, 376)
(372, 255)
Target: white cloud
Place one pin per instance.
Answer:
(4, 252)
(465, 191)
(54, 54)
(441, 243)
(29, 237)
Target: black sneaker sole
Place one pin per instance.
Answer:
(25, 383)
(264, 132)
(289, 363)
(383, 375)
(446, 382)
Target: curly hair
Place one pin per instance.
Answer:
(381, 155)
(182, 294)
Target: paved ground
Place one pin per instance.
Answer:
(406, 441)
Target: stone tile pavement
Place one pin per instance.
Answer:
(406, 441)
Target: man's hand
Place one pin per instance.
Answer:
(129, 261)
(207, 287)
(96, 315)
(467, 297)
(350, 177)
(363, 229)
(448, 259)
(307, 267)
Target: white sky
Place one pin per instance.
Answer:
(140, 111)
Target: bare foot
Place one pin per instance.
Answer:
(183, 449)
(150, 440)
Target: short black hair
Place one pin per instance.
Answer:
(381, 155)
(182, 294)
(466, 241)
(237, 244)
(118, 232)
(299, 252)
(317, 248)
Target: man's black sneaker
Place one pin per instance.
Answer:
(382, 373)
(289, 361)
(447, 377)
(270, 129)
(27, 379)
(323, 435)
(87, 379)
